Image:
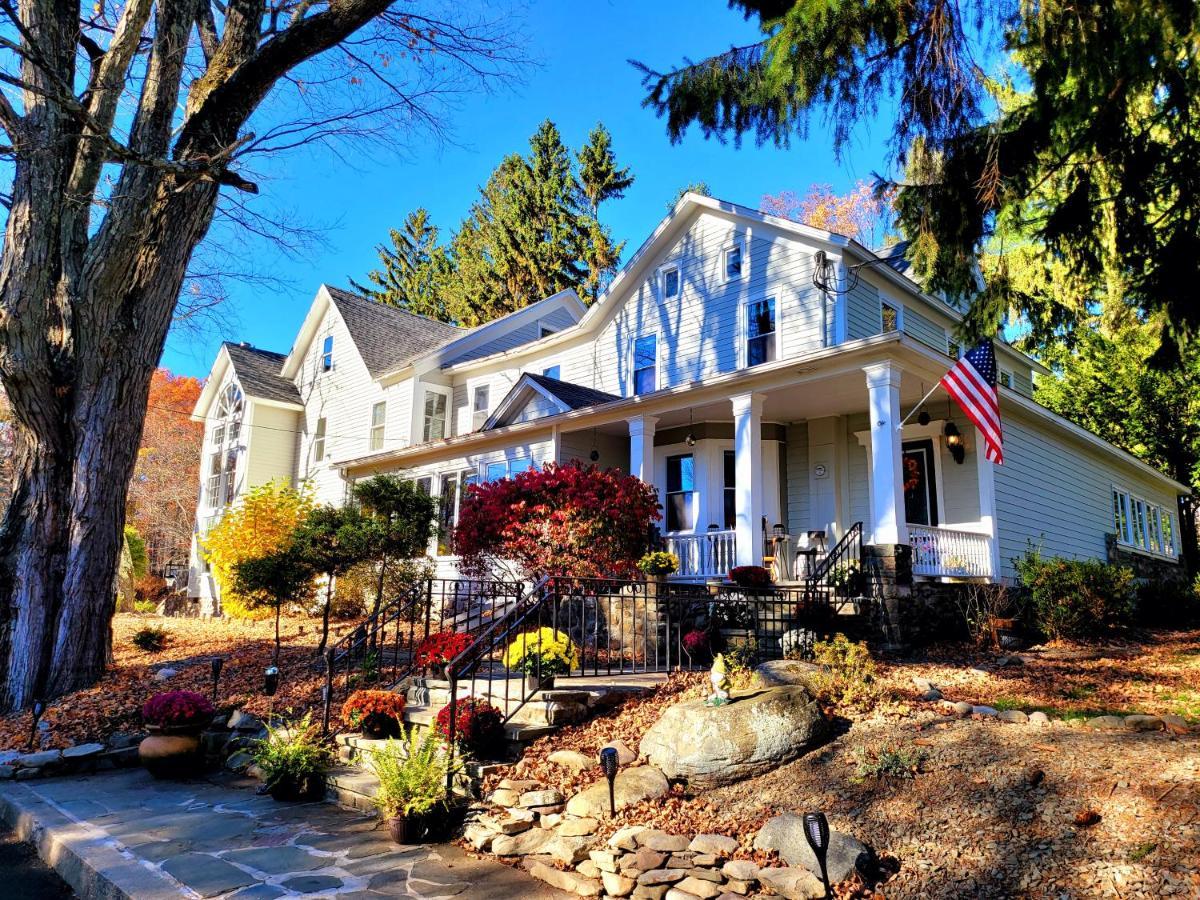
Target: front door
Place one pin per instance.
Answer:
(920, 483)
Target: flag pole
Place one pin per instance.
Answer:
(920, 403)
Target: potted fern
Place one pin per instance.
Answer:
(293, 760)
(412, 774)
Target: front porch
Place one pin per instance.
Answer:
(778, 476)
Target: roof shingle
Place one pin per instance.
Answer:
(388, 337)
(575, 396)
(258, 373)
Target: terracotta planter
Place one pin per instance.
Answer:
(291, 789)
(171, 755)
(378, 727)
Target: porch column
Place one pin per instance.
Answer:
(987, 501)
(641, 447)
(748, 504)
(887, 481)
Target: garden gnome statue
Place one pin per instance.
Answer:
(720, 683)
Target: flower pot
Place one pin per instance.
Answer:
(405, 829)
(293, 789)
(534, 683)
(378, 727)
(437, 671)
(171, 755)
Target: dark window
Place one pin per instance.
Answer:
(482, 398)
(670, 281)
(327, 355)
(730, 491)
(760, 332)
(645, 364)
(920, 490)
(447, 506)
(681, 483)
(890, 317)
(733, 263)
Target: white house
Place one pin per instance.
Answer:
(752, 369)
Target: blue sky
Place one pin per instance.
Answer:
(580, 76)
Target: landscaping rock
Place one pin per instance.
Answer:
(83, 751)
(578, 827)
(504, 797)
(531, 799)
(962, 709)
(41, 758)
(783, 673)
(644, 860)
(697, 887)
(649, 892)
(632, 786)
(1143, 723)
(785, 835)
(567, 850)
(713, 746)
(1106, 722)
(571, 882)
(793, 883)
(923, 684)
(518, 785)
(716, 844)
(1175, 724)
(8, 756)
(605, 860)
(654, 839)
(932, 696)
(165, 673)
(478, 836)
(121, 740)
(626, 838)
(662, 876)
(572, 759)
(1015, 716)
(1039, 718)
(523, 844)
(617, 885)
(588, 869)
(625, 756)
(988, 711)
(740, 870)
(243, 721)
(239, 762)
(706, 859)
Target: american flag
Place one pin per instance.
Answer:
(972, 384)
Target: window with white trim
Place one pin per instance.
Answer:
(668, 280)
(732, 262)
(482, 400)
(495, 471)
(1006, 378)
(378, 419)
(645, 364)
(435, 416)
(327, 354)
(318, 447)
(1141, 524)
(760, 332)
(953, 350)
(889, 317)
(681, 485)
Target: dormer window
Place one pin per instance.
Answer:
(733, 262)
(760, 332)
(435, 416)
(669, 281)
(327, 355)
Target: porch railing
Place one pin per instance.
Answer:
(946, 552)
(708, 555)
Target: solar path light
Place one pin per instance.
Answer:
(609, 763)
(816, 832)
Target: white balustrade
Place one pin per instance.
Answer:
(708, 555)
(946, 552)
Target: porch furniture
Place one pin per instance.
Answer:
(810, 552)
(780, 550)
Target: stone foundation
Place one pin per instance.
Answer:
(1144, 566)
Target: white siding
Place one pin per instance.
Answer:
(1056, 492)
(856, 471)
(924, 329)
(862, 312)
(797, 479)
(271, 446)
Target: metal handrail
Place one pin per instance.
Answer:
(834, 556)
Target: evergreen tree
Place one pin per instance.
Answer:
(695, 187)
(599, 175)
(1110, 83)
(413, 269)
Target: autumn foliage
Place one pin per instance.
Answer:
(572, 520)
(162, 493)
(860, 213)
(260, 523)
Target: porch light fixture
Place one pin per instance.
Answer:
(923, 418)
(690, 440)
(39, 707)
(217, 662)
(609, 763)
(816, 832)
(595, 454)
(954, 443)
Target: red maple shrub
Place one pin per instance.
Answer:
(478, 726)
(573, 520)
(750, 576)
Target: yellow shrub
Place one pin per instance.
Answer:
(558, 653)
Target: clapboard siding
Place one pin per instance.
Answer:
(1056, 492)
(924, 329)
(856, 471)
(271, 444)
(862, 312)
(578, 445)
(797, 479)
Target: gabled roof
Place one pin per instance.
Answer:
(258, 373)
(564, 395)
(388, 337)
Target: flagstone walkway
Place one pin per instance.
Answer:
(123, 833)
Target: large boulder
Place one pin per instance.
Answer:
(784, 672)
(632, 786)
(785, 835)
(709, 746)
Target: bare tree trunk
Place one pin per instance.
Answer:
(278, 608)
(325, 614)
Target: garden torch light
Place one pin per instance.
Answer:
(217, 662)
(609, 763)
(270, 686)
(39, 707)
(816, 832)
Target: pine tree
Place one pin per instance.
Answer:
(599, 175)
(413, 269)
